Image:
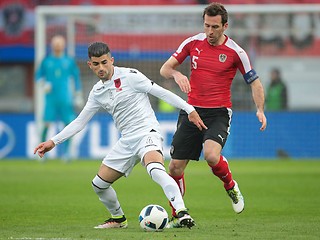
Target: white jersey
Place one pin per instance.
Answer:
(125, 97)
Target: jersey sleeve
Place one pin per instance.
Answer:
(79, 123)
(183, 50)
(244, 66)
(170, 98)
(138, 81)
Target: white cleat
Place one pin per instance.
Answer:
(236, 198)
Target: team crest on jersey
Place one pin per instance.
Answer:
(222, 57)
(117, 84)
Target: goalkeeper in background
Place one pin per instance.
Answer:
(59, 77)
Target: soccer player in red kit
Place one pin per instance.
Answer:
(215, 58)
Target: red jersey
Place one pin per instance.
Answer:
(213, 69)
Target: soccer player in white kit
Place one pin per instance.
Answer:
(123, 93)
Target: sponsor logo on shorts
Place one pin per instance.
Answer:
(149, 142)
(171, 149)
(222, 139)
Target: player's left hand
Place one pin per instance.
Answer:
(262, 119)
(195, 118)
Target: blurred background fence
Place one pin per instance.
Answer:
(279, 36)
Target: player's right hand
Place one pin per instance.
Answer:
(44, 147)
(183, 83)
(195, 118)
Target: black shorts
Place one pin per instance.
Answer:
(188, 139)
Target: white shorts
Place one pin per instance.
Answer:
(128, 151)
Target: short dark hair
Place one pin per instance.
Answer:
(97, 49)
(215, 9)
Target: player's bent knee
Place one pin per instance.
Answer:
(99, 184)
(176, 169)
(212, 158)
(155, 166)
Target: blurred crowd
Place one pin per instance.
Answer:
(295, 35)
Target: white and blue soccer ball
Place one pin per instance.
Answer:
(153, 218)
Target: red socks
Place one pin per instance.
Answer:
(180, 181)
(222, 171)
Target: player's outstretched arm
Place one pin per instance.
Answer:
(196, 120)
(44, 147)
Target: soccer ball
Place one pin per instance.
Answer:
(153, 218)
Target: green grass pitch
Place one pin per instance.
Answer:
(54, 200)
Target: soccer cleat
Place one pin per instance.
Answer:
(114, 222)
(183, 219)
(236, 198)
(174, 223)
